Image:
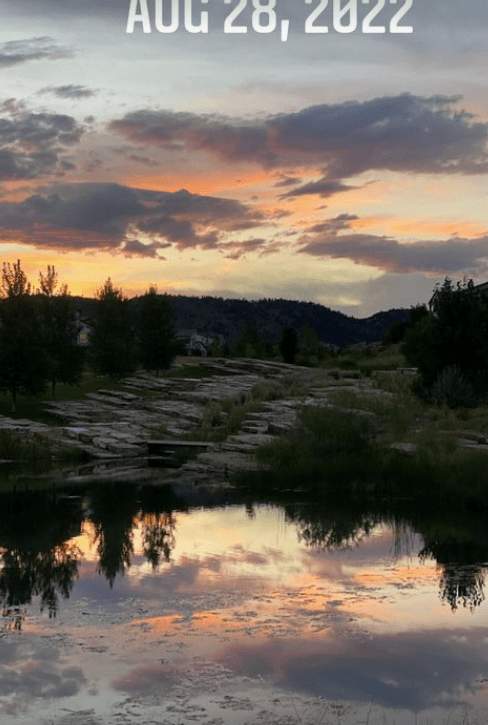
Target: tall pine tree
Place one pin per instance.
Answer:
(157, 343)
(60, 326)
(24, 361)
(112, 345)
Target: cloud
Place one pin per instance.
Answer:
(71, 91)
(323, 188)
(40, 674)
(411, 670)
(15, 52)
(403, 133)
(31, 144)
(151, 679)
(134, 248)
(448, 256)
(238, 249)
(111, 216)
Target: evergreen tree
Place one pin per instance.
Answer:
(157, 343)
(112, 345)
(249, 344)
(289, 344)
(60, 329)
(24, 362)
(311, 351)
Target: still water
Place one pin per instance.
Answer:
(145, 605)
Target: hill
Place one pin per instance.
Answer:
(218, 316)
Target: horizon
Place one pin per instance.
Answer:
(244, 299)
(265, 158)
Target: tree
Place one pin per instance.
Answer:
(60, 328)
(454, 335)
(157, 342)
(112, 345)
(289, 344)
(249, 344)
(311, 350)
(24, 361)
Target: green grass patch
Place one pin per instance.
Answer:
(336, 451)
(32, 407)
(369, 359)
(397, 410)
(222, 419)
(225, 417)
(71, 454)
(189, 370)
(16, 448)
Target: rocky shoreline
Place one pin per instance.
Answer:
(113, 427)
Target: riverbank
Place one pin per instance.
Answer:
(329, 426)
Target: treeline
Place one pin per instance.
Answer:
(39, 334)
(214, 315)
(302, 347)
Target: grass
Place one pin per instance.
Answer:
(224, 418)
(391, 400)
(368, 360)
(33, 406)
(14, 447)
(341, 451)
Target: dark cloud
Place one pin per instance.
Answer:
(70, 91)
(333, 225)
(411, 670)
(31, 144)
(15, 52)
(323, 188)
(288, 181)
(403, 133)
(38, 675)
(236, 250)
(134, 248)
(110, 216)
(448, 256)
(12, 107)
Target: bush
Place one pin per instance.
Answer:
(453, 389)
(454, 334)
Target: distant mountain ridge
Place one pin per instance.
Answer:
(218, 316)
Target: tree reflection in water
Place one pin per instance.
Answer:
(158, 504)
(330, 527)
(460, 552)
(114, 507)
(37, 558)
(158, 537)
(462, 577)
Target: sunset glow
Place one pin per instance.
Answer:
(154, 159)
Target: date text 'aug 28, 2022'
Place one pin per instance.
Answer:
(268, 16)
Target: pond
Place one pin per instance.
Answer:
(152, 605)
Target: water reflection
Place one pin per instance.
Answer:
(36, 554)
(114, 508)
(462, 577)
(313, 597)
(332, 528)
(39, 558)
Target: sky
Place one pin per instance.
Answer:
(261, 157)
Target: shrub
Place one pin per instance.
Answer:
(453, 389)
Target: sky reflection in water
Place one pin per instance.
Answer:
(189, 608)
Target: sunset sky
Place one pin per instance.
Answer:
(346, 167)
